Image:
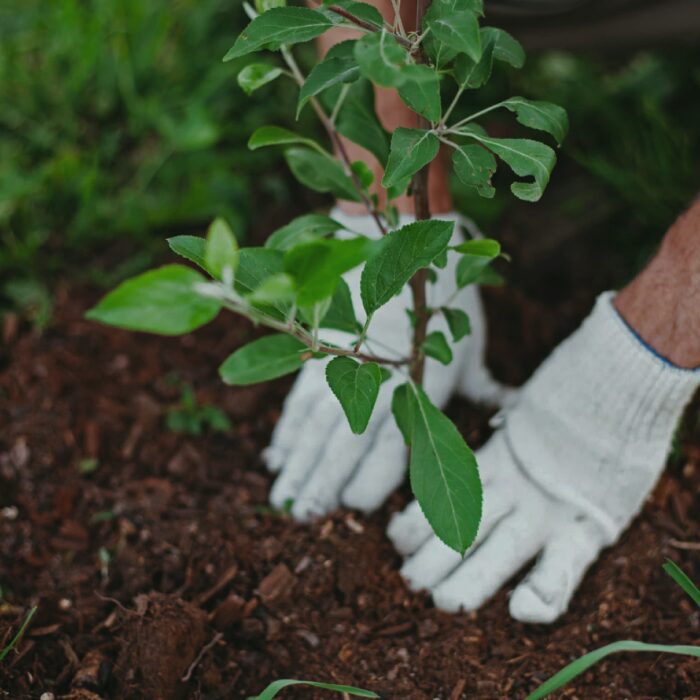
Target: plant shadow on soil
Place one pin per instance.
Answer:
(166, 544)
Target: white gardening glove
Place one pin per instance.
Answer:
(570, 468)
(321, 462)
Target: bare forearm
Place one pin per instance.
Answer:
(662, 303)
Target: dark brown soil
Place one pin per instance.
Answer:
(164, 562)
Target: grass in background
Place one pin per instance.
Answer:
(119, 123)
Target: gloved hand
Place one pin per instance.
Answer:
(321, 463)
(564, 476)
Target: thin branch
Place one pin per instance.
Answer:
(300, 333)
(368, 26)
(421, 200)
(398, 20)
(453, 104)
(339, 103)
(471, 117)
(333, 134)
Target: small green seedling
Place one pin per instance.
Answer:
(568, 673)
(193, 418)
(274, 688)
(294, 284)
(15, 640)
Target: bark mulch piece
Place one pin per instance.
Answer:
(153, 556)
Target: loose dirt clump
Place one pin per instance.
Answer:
(158, 643)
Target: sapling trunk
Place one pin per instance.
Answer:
(421, 200)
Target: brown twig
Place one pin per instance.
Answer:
(218, 636)
(369, 26)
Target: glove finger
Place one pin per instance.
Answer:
(511, 544)
(301, 399)
(337, 462)
(380, 471)
(409, 529)
(305, 454)
(545, 593)
(435, 561)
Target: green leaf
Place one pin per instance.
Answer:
(544, 116)
(358, 121)
(526, 158)
(364, 173)
(273, 290)
(303, 229)
(162, 301)
(475, 166)
(341, 312)
(437, 347)
(279, 26)
(442, 12)
(471, 74)
(191, 248)
(20, 633)
(278, 136)
(485, 247)
(421, 91)
(440, 261)
(403, 252)
(381, 59)
(489, 278)
(320, 173)
(256, 265)
(267, 358)
(683, 580)
(505, 47)
(568, 673)
(470, 269)
(256, 75)
(221, 249)
(458, 322)
(317, 266)
(459, 31)
(356, 386)
(411, 150)
(265, 5)
(339, 66)
(443, 470)
(402, 406)
(274, 688)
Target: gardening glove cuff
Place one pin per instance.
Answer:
(594, 424)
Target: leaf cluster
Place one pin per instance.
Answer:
(295, 286)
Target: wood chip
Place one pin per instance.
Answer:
(457, 691)
(277, 585)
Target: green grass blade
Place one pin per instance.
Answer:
(682, 579)
(576, 668)
(275, 687)
(19, 634)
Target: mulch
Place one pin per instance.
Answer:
(159, 571)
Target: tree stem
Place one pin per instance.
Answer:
(329, 126)
(421, 200)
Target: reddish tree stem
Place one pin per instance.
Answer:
(421, 199)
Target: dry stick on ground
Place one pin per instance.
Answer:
(215, 640)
